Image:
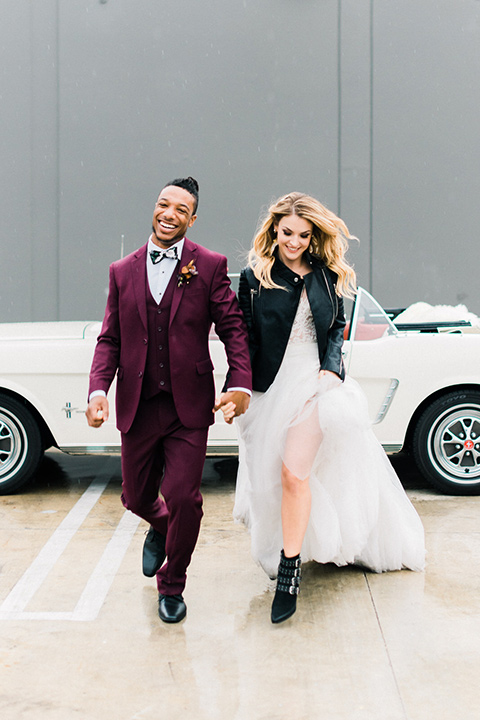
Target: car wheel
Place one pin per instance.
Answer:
(446, 443)
(20, 445)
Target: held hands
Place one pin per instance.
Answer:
(232, 404)
(97, 411)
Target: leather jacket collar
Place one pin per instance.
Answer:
(284, 272)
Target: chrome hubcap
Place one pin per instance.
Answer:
(10, 444)
(454, 444)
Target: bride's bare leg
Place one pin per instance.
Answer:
(296, 504)
(301, 446)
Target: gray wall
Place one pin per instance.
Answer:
(371, 105)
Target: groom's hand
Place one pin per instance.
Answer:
(97, 411)
(233, 404)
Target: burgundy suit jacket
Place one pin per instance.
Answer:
(123, 340)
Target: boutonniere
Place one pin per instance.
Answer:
(186, 273)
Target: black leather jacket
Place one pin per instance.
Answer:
(269, 315)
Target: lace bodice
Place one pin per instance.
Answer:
(303, 328)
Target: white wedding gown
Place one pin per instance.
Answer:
(320, 428)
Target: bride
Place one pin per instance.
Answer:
(312, 477)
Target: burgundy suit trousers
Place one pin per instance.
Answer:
(159, 454)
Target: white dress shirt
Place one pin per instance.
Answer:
(159, 275)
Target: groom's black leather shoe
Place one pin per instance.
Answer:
(153, 552)
(171, 608)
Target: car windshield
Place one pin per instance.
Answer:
(369, 321)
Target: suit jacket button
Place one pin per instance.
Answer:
(140, 374)
(145, 341)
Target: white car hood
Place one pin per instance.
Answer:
(61, 330)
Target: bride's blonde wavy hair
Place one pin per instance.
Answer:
(329, 240)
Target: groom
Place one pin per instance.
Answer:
(162, 301)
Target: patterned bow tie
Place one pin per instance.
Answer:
(158, 255)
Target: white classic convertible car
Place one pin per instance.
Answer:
(422, 381)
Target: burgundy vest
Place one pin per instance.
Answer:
(157, 368)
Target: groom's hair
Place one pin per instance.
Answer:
(189, 184)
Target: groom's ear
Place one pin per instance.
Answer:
(192, 220)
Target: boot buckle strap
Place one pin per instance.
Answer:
(290, 563)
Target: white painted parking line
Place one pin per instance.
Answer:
(98, 585)
(102, 577)
(38, 571)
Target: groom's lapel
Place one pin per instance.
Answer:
(189, 253)
(139, 280)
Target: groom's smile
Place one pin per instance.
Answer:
(174, 213)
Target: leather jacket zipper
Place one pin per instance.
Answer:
(331, 299)
(252, 293)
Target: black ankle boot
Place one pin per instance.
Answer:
(288, 586)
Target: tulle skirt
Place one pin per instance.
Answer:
(320, 429)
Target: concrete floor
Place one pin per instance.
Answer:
(80, 636)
